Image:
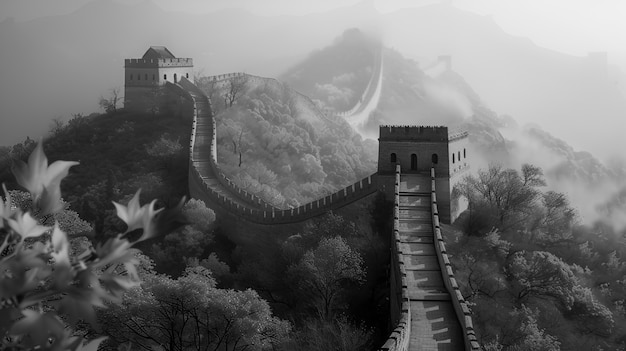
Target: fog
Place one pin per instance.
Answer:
(530, 59)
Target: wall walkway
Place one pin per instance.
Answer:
(208, 183)
(428, 308)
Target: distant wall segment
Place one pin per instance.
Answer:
(208, 183)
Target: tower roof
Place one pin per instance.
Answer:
(158, 52)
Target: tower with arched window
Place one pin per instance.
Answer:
(144, 77)
(417, 149)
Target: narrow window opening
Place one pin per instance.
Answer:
(394, 158)
(464, 153)
(175, 78)
(165, 77)
(459, 155)
(453, 158)
(435, 159)
(187, 75)
(413, 162)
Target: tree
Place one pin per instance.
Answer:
(191, 313)
(507, 195)
(554, 220)
(590, 316)
(40, 281)
(532, 338)
(235, 88)
(187, 242)
(109, 105)
(543, 275)
(325, 273)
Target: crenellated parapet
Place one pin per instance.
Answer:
(400, 304)
(155, 63)
(413, 133)
(461, 309)
(208, 183)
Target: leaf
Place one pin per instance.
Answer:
(138, 217)
(27, 226)
(60, 247)
(92, 345)
(41, 181)
(39, 326)
(5, 206)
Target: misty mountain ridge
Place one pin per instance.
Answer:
(38, 54)
(413, 96)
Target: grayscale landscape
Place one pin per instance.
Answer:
(312, 175)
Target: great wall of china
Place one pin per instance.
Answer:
(427, 307)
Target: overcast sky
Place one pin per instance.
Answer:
(570, 26)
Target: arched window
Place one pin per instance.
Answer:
(175, 78)
(464, 153)
(165, 77)
(453, 157)
(413, 162)
(394, 159)
(435, 159)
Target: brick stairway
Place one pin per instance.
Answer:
(434, 324)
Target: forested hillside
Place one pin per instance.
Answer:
(118, 153)
(275, 142)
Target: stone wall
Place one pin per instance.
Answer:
(458, 301)
(400, 305)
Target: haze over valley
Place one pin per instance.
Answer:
(312, 175)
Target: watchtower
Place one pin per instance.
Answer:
(145, 76)
(417, 149)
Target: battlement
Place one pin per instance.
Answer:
(457, 136)
(161, 62)
(413, 133)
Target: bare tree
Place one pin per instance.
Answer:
(109, 105)
(236, 86)
(237, 146)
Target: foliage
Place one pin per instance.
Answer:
(191, 313)
(189, 241)
(338, 334)
(43, 287)
(508, 195)
(277, 144)
(568, 277)
(541, 274)
(325, 272)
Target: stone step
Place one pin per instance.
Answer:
(413, 213)
(417, 279)
(417, 249)
(413, 201)
(429, 295)
(415, 183)
(423, 225)
(424, 263)
(425, 238)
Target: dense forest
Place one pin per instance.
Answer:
(314, 285)
(536, 276)
(276, 143)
